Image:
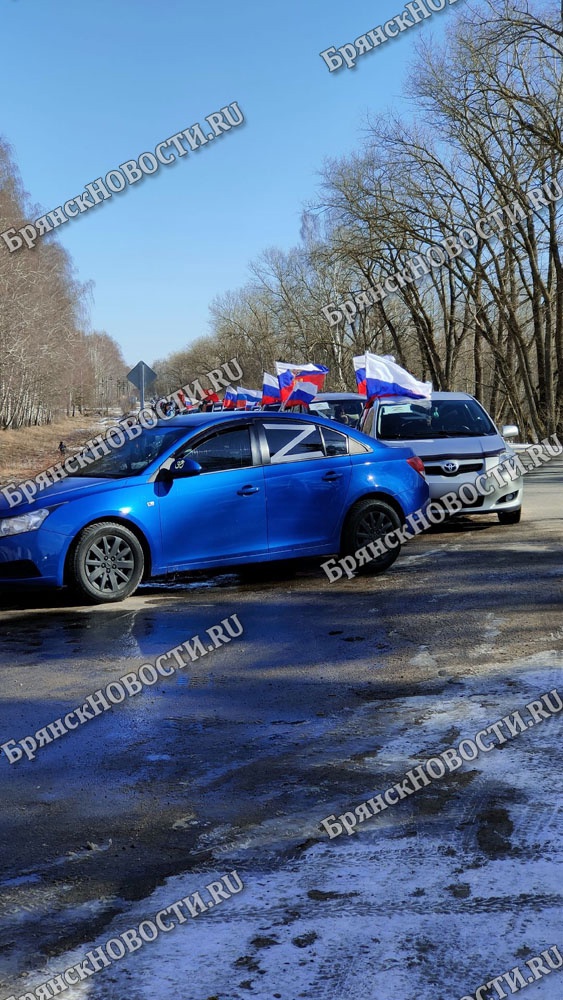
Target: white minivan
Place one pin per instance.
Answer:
(457, 441)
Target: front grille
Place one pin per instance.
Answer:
(436, 470)
(478, 502)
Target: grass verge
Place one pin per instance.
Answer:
(26, 452)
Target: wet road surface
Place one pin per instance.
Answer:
(329, 695)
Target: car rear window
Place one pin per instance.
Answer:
(345, 411)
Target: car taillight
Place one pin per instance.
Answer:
(417, 464)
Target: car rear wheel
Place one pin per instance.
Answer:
(107, 563)
(510, 516)
(367, 522)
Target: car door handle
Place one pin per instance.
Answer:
(331, 477)
(247, 491)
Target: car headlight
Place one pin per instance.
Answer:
(493, 460)
(23, 522)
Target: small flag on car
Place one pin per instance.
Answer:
(271, 392)
(302, 392)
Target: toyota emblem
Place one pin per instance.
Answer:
(450, 467)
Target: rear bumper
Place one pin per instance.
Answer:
(416, 499)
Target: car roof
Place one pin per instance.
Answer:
(203, 420)
(188, 420)
(195, 419)
(434, 395)
(328, 396)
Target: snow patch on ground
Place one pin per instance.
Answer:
(453, 886)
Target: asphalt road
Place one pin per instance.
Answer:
(330, 694)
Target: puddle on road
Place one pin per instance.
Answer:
(184, 582)
(20, 880)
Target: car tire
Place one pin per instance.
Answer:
(107, 563)
(510, 516)
(368, 521)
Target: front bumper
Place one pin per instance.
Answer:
(496, 498)
(35, 557)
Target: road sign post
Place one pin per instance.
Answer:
(141, 376)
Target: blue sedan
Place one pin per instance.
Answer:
(210, 490)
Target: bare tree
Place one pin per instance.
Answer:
(45, 365)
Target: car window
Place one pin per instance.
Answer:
(335, 442)
(293, 441)
(432, 419)
(358, 447)
(366, 425)
(133, 457)
(345, 411)
(230, 449)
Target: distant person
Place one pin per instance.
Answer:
(62, 449)
(340, 415)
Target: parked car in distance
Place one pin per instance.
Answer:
(457, 441)
(344, 407)
(209, 490)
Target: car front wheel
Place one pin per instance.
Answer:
(369, 521)
(107, 563)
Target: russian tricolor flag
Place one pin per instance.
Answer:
(302, 392)
(309, 372)
(247, 398)
(285, 382)
(360, 372)
(271, 392)
(288, 374)
(230, 398)
(379, 375)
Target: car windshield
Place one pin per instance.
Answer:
(436, 418)
(133, 457)
(345, 411)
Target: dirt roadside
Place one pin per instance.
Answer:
(25, 452)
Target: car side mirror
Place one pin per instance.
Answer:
(180, 468)
(183, 468)
(510, 431)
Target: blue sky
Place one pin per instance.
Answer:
(85, 88)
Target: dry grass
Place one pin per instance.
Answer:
(26, 452)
